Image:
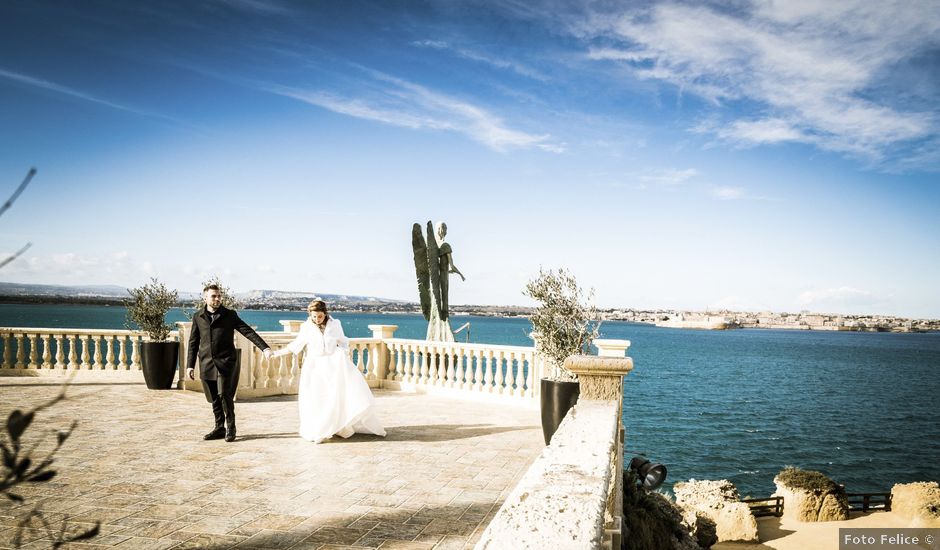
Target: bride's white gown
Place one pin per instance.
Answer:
(334, 398)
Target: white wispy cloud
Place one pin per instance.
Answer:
(809, 71)
(405, 104)
(74, 267)
(71, 92)
(473, 55)
(725, 192)
(666, 176)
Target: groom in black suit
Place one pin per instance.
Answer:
(213, 339)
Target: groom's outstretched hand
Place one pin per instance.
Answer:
(268, 353)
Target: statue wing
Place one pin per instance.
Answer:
(434, 266)
(421, 269)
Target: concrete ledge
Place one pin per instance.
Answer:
(561, 500)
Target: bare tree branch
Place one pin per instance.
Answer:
(26, 180)
(15, 255)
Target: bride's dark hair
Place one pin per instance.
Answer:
(319, 305)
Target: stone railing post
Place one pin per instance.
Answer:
(291, 325)
(381, 359)
(612, 348)
(601, 379)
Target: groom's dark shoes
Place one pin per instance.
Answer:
(217, 433)
(230, 436)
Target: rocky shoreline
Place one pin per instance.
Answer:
(723, 320)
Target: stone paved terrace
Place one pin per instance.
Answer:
(138, 464)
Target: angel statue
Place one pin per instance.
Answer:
(434, 262)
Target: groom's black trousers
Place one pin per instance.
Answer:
(221, 393)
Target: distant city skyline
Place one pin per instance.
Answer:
(778, 156)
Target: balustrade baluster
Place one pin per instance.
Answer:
(530, 376)
(510, 379)
(394, 357)
(449, 369)
(400, 363)
(409, 363)
(500, 376)
(487, 370)
(477, 357)
(373, 360)
(73, 351)
(272, 373)
(33, 352)
(460, 367)
(122, 353)
(46, 352)
(283, 375)
(7, 351)
(20, 351)
(60, 351)
(98, 365)
(135, 352)
(109, 352)
(86, 354)
(259, 375)
(425, 364)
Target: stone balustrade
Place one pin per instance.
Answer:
(481, 370)
(572, 496)
(41, 351)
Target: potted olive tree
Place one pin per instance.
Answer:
(563, 324)
(147, 309)
(229, 301)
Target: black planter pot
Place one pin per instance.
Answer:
(556, 398)
(159, 361)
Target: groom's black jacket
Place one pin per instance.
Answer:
(214, 342)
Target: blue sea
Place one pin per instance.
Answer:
(738, 404)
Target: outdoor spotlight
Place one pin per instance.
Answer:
(649, 475)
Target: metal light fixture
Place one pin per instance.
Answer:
(649, 474)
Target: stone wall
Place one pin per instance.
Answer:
(718, 501)
(918, 502)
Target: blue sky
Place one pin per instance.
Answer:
(747, 155)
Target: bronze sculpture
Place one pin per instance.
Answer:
(434, 262)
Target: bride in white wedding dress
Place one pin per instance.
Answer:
(334, 398)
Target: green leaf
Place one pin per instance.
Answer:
(17, 423)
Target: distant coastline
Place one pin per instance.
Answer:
(667, 318)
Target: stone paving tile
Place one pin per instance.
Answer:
(137, 463)
(215, 542)
(452, 543)
(448, 527)
(140, 543)
(269, 538)
(404, 545)
(338, 535)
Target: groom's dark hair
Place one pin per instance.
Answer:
(213, 286)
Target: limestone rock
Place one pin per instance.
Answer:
(651, 521)
(703, 529)
(719, 502)
(919, 502)
(810, 496)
